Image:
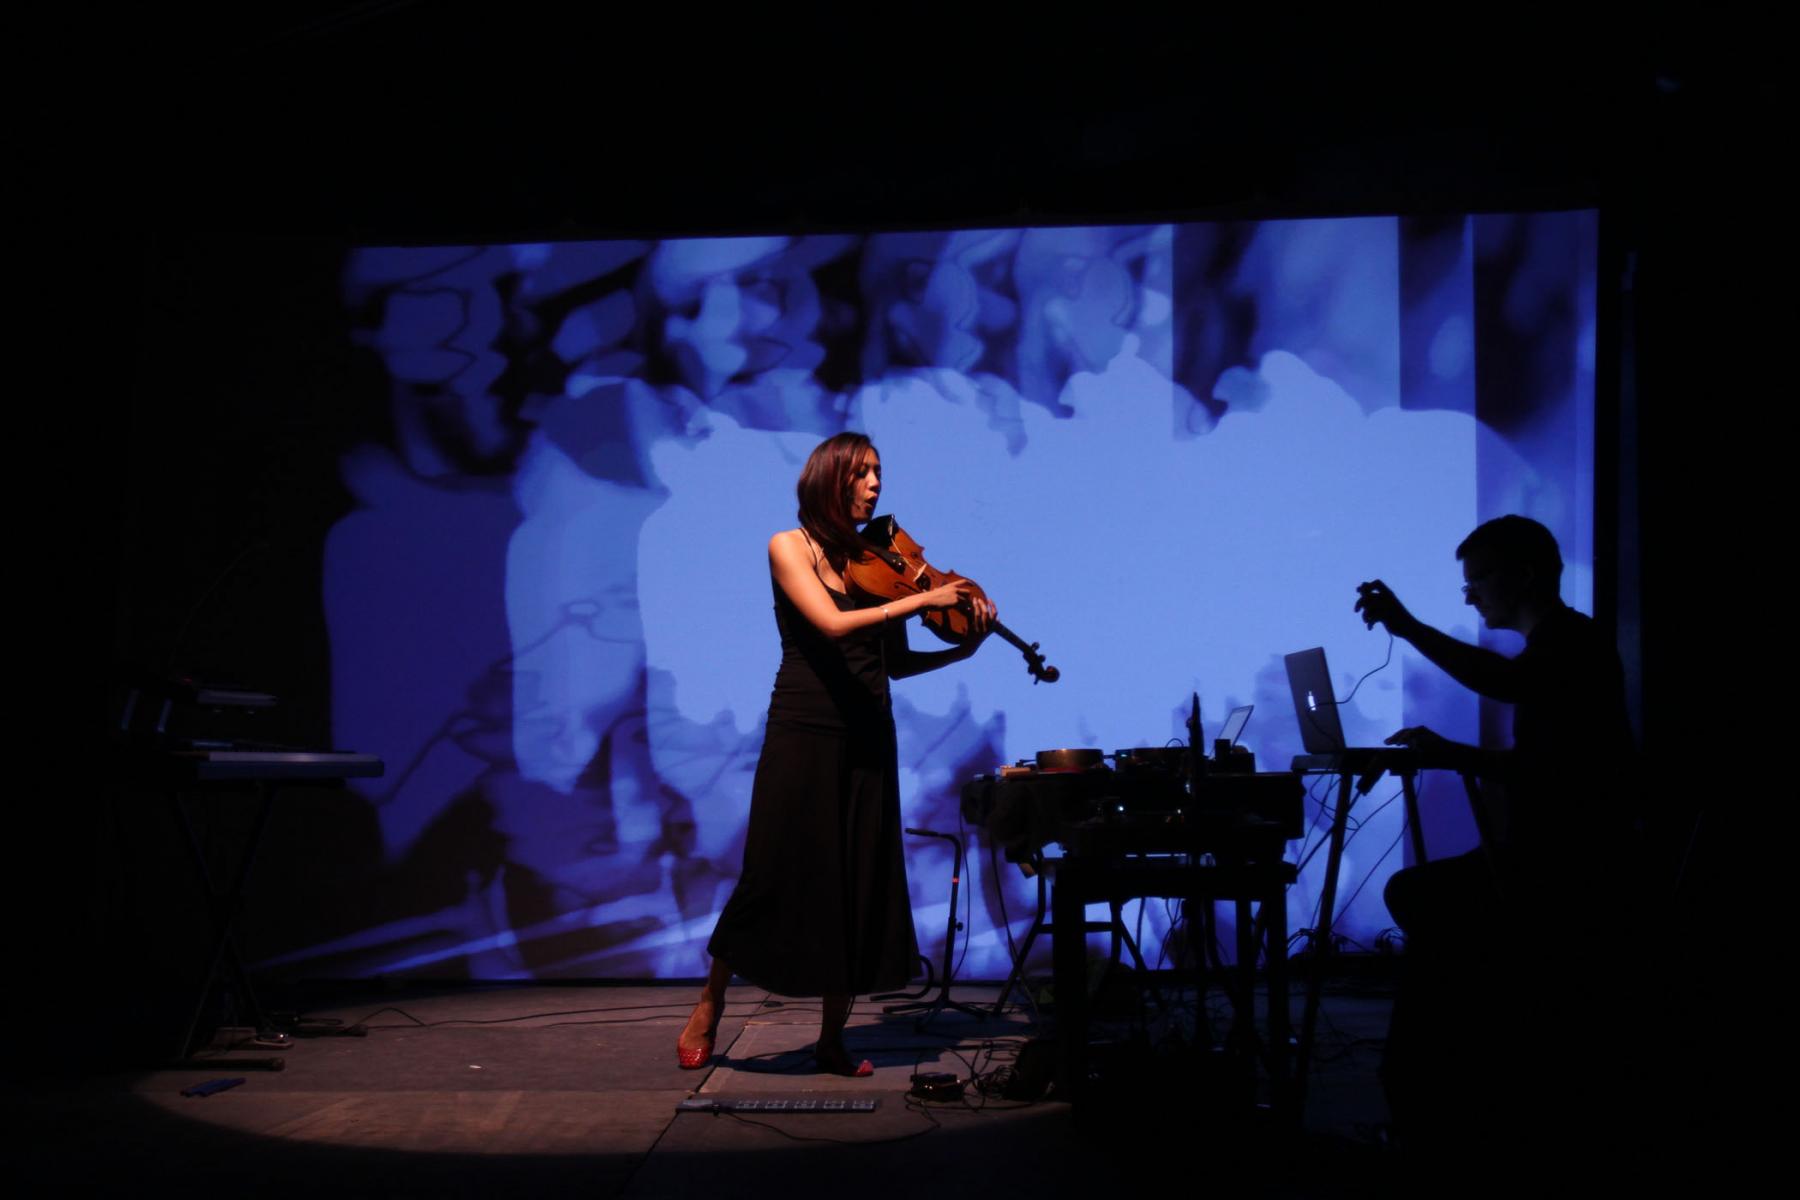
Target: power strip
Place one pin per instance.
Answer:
(811, 1104)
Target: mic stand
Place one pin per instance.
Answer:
(929, 1009)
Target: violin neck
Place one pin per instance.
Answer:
(1018, 642)
(1041, 671)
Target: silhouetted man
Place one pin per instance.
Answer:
(1543, 892)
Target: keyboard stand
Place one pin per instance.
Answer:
(261, 774)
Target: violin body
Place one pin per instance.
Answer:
(896, 568)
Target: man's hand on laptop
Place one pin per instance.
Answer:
(1436, 750)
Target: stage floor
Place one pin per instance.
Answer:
(465, 1090)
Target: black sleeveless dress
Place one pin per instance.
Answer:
(821, 907)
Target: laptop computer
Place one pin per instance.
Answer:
(1315, 704)
(1234, 724)
(1321, 732)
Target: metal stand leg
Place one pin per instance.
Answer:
(223, 964)
(1068, 950)
(1274, 924)
(929, 1010)
(1243, 979)
(1038, 925)
(1321, 945)
(1408, 781)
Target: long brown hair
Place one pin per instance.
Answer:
(824, 492)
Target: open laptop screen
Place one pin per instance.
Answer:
(1315, 705)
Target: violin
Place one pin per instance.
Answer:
(895, 568)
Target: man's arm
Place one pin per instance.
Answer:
(1435, 750)
(1481, 670)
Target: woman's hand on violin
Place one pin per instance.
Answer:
(959, 593)
(954, 594)
(982, 615)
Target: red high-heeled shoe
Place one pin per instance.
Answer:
(692, 1059)
(837, 1062)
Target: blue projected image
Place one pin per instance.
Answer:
(1168, 452)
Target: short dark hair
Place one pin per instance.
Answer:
(824, 494)
(1518, 542)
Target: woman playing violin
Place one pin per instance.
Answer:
(821, 908)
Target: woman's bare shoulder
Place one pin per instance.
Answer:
(789, 543)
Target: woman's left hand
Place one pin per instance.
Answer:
(982, 615)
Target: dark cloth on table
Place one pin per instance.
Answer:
(822, 906)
